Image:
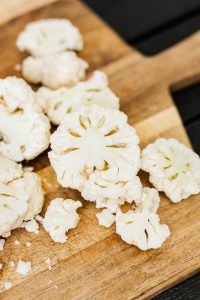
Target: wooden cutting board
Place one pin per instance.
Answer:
(95, 263)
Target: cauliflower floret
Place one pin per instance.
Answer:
(173, 168)
(60, 217)
(24, 130)
(20, 200)
(111, 194)
(55, 71)
(16, 94)
(105, 218)
(141, 227)
(50, 36)
(94, 138)
(57, 103)
(10, 170)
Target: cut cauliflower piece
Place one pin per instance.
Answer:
(94, 138)
(16, 94)
(173, 168)
(57, 103)
(111, 194)
(105, 218)
(55, 71)
(10, 170)
(24, 130)
(141, 227)
(20, 200)
(50, 36)
(60, 217)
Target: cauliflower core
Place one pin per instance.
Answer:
(94, 138)
(56, 104)
(50, 36)
(60, 217)
(24, 130)
(141, 227)
(111, 194)
(173, 168)
(20, 200)
(55, 71)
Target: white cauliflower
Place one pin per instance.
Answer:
(141, 227)
(55, 71)
(50, 36)
(20, 199)
(10, 170)
(173, 168)
(24, 130)
(57, 103)
(111, 194)
(105, 218)
(16, 94)
(60, 217)
(94, 138)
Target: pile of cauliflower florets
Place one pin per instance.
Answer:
(94, 150)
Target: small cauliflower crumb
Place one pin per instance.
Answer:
(17, 67)
(17, 242)
(1, 266)
(28, 244)
(56, 286)
(23, 267)
(105, 218)
(39, 218)
(12, 264)
(8, 285)
(2, 243)
(31, 226)
(48, 262)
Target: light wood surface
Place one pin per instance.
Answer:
(95, 263)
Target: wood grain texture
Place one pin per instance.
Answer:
(95, 263)
(13, 8)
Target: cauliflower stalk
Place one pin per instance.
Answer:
(94, 138)
(173, 168)
(55, 71)
(57, 103)
(141, 227)
(60, 217)
(24, 130)
(50, 36)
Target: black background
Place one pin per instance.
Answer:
(152, 26)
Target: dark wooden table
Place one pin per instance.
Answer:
(152, 26)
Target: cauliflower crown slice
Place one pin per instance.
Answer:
(20, 200)
(16, 94)
(50, 36)
(55, 71)
(141, 229)
(24, 134)
(60, 217)
(94, 138)
(57, 103)
(173, 168)
(111, 194)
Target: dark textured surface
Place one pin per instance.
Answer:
(152, 26)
